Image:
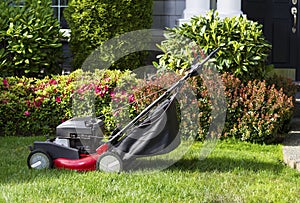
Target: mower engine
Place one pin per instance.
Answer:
(75, 138)
(84, 134)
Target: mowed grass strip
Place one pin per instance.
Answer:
(234, 172)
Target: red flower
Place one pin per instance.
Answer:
(27, 113)
(58, 99)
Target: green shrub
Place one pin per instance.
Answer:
(29, 39)
(243, 48)
(94, 22)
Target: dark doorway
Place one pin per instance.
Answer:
(281, 28)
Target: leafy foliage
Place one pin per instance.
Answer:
(94, 22)
(36, 106)
(29, 39)
(289, 88)
(243, 48)
(256, 112)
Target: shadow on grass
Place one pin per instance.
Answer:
(211, 164)
(224, 164)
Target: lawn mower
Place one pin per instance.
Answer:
(80, 144)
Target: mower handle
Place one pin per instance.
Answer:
(194, 69)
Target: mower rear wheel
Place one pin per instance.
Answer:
(109, 162)
(39, 159)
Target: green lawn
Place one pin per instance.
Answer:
(234, 172)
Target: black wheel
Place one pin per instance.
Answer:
(109, 162)
(39, 159)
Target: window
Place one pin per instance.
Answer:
(59, 6)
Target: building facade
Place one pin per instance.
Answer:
(279, 19)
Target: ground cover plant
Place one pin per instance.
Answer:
(234, 172)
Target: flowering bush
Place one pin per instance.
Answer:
(256, 111)
(289, 88)
(31, 106)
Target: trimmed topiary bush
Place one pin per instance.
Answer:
(243, 47)
(29, 39)
(94, 22)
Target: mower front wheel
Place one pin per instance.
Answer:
(109, 162)
(39, 159)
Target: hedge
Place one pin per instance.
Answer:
(256, 111)
(30, 41)
(94, 22)
(33, 106)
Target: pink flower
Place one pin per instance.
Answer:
(97, 90)
(5, 83)
(80, 91)
(107, 80)
(106, 88)
(112, 94)
(58, 99)
(26, 113)
(37, 103)
(131, 98)
(53, 82)
(28, 103)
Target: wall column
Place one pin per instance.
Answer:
(229, 8)
(194, 8)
